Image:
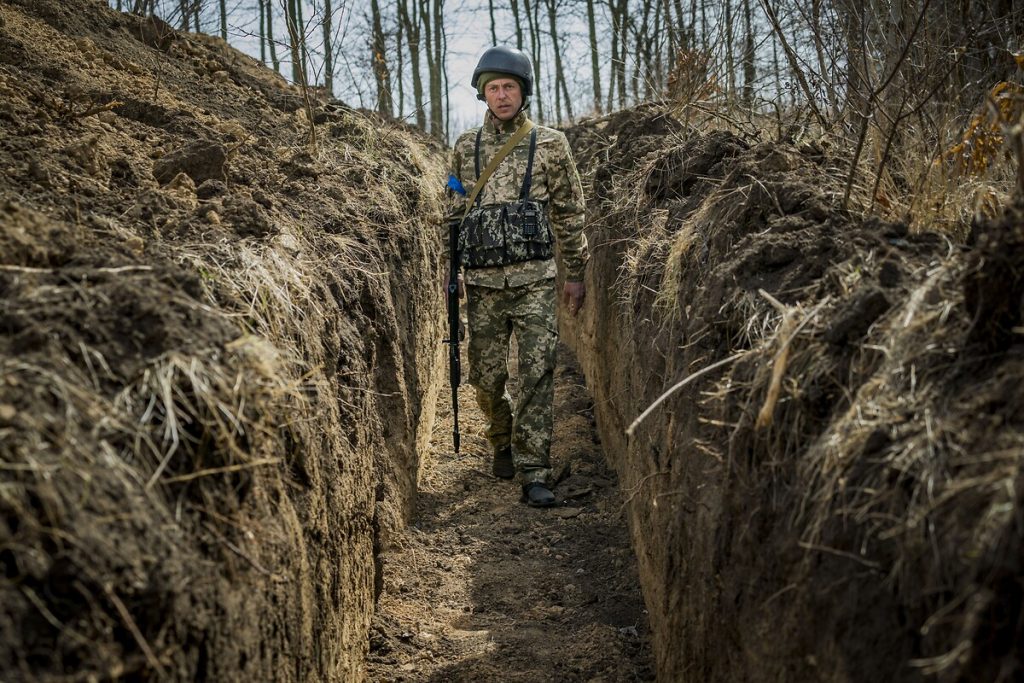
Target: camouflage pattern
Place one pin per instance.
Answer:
(519, 298)
(504, 234)
(556, 183)
(528, 312)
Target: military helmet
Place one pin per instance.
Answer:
(505, 60)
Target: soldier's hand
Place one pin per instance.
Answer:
(460, 286)
(573, 294)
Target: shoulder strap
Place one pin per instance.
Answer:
(528, 178)
(495, 161)
(476, 157)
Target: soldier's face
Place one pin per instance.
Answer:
(504, 97)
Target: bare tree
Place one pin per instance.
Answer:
(408, 15)
(494, 34)
(533, 25)
(382, 75)
(617, 10)
(514, 7)
(326, 23)
(297, 39)
(267, 32)
(430, 15)
(642, 51)
(439, 124)
(749, 70)
(730, 63)
(620, 65)
(400, 67)
(595, 63)
(183, 8)
(561, 87)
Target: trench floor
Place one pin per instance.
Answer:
(482, 588)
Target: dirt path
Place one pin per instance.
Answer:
(483, 588)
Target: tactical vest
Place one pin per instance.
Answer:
(503, 234)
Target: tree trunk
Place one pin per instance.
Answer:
(427, 19)
(443, 59)
(224, 20)
(269, 14)
(749, 68)
(428, 48)
(775, 61)
(514, 5)
(616, 58)
(400, 68)
(856, 65)
(642, 57)
(691, 42)
(704, 27)
(623, 42)
(186, 14)
(380, 64)
(494, 34)
(654, 70)
(327, 24)
(794, 63)
(672, 26)
(819, 49)
(730, 66)
(440, 95)
(300, 26)
(412, 28)
(292, 22)
(531, 20)
(263, 33)
(560, 82)
(595, 63)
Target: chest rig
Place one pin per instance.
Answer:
(512, 232)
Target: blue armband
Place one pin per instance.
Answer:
(454, 184)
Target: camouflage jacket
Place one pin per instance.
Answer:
(555, 182)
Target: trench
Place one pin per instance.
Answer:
(217, 389)
(481, 587)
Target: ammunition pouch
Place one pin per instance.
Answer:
(504, 234)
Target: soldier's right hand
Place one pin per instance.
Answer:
(460, 287)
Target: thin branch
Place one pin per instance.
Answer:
(679, 385)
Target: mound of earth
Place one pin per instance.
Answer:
(215, 380)
(822, 412)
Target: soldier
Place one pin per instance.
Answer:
(533, 199)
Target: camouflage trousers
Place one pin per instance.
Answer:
(528, 311)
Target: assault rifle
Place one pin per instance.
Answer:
(454, 324)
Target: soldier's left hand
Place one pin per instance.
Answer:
(573, 294)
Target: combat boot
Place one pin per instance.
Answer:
(503, 467)
(536, 494)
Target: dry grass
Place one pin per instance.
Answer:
(126, 468)
(893, 452)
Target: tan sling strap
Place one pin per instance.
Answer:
(493, 164)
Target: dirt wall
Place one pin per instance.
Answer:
(834, 493)
(217, 365)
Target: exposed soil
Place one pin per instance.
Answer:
(835, 492)
(482, 588)
(215, 382)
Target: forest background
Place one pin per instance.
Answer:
(881, 64)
